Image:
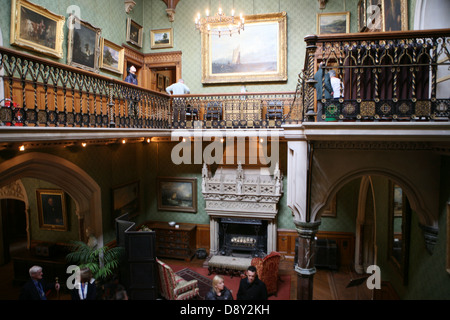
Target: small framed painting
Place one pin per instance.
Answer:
(134, 33)
(35, 28)
(51, 209)
(336, 22)
(395, 15)
(161, 38)
(177, 194)
(112, 56)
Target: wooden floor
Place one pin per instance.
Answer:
(328, 285)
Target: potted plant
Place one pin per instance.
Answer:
(102, 261)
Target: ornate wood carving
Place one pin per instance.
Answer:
(171, 5)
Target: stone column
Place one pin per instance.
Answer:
(305, 264)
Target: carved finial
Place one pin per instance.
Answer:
(322, 4)
(129, 5)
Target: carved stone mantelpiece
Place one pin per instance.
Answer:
(239, 193)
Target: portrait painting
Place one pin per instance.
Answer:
(34, 27)
(134, 33)
(83, 45)
(112, 56)
(177, 194)
(395, 15)
(51, 209)
(255, 54)
(336, 22)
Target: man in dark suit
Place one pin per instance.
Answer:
(323, 89)
(36, 287)
(251, 288)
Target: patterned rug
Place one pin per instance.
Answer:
(204, 283)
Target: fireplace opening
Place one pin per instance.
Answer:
(242, 237)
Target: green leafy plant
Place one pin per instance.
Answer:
(102, 261)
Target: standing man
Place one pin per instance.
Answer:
(178, 88)
(36, 287)
(323, 89)
(131, 77)
(251, 288)
(179, 104)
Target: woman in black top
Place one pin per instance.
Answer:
(218, 290)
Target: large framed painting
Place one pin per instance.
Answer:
(395, 15)
(83, 44)
(112, 56)
(35, 28)
(335, 22)
(134, 33)
(177, 194)
(161, 38)
(52, 209)
(126, 199)
(256, 54)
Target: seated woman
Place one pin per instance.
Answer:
(218, 290)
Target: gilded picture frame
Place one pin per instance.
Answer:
(177, 194)
(362, 15)
(232, 59)
(134, 33)
(161, 38)
(83, 46)
(52, 212)
(333, 22)
(35, 28)
(112, 56)
(395, 15)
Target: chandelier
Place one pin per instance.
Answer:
(220, 24)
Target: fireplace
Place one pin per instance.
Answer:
(242, 237)
(243, 207)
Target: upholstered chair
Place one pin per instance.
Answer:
(267, 270)
(174, 287)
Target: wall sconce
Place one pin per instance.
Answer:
(322, 4)
(129, 5)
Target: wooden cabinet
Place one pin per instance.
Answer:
(171, 242)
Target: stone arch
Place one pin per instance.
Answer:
(85, 192)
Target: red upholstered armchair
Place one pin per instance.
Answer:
(267, 270)
(172, 286)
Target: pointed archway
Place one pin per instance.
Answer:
(84, 191)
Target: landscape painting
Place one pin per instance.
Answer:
(328, 23)
(255, 54)
(177, 194)
(84, 45)
(112, 57)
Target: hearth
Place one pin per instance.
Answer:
(242, 237)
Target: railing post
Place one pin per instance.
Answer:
(111, 105)
(311, 48)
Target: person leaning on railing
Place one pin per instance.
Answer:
(323, 89)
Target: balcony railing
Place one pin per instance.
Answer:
(388, 76)
(43, 93)
(40, 92)
(391, 76)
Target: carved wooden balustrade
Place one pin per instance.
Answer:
(40, 92)
(245, 110)
(388, 76)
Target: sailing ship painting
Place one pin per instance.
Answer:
(177, 194)
(254, 50)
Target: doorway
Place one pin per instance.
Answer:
(14, 228)
(162, 77)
